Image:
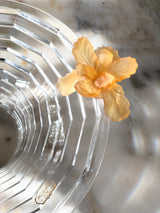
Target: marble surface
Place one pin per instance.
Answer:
(128, 180)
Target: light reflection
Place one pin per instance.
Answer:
(148, 111)
(65, 209)
(138, 189)
(156, 145)
(138, 141)
(21, 84)
(145, 182)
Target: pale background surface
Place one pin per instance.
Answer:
(128, 180)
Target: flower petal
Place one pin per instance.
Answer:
(84, 53)
(113, 51)
(104, 58)
(123, 68)
(86, 70)
(116, 106)
(66, 84)
(104, 80)
(87, 88)
(99, 96)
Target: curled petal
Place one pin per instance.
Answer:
(116, 105)
(66, 84)
(105, 58)
(86, 71)
(84, 53)
(87, 88)
(113, 51)
(123, 68)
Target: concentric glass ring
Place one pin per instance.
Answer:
(60, 140)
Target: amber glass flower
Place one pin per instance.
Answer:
(96, 75)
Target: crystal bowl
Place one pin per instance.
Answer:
(51, 147)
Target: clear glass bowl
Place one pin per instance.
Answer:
(53, 145)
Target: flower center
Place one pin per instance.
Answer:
(104, 80)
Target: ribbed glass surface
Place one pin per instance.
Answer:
(59, 141)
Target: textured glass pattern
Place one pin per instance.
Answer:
(59, 139)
